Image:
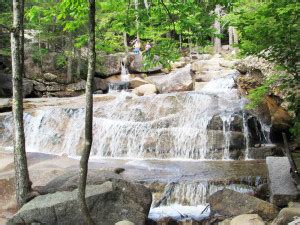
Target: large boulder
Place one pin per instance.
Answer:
(108, 65)
(108, 204)
(247, 219)
(135, 64)
(100, 84)
(6, 86)
(136, 82)
(146, 89)
(178, 80)
(231, 203)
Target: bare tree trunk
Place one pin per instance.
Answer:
(146, 4)
(23, 186)
(70, 59)
(22, 53)
(88, 117)
(125, 42)
(230, 36)
(217, 26)
(78, 70)
(137, 23)
(235, 36)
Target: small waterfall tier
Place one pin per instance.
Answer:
(206, 124)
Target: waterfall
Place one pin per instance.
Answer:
(124, 79)
(189, 199)
(165, 126)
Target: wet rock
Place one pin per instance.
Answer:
(282, 187)
(263, 151)
(231, 203)
(176, 81)
(286, 215)
(109, 65)
(108, 203)
(136, 82)
(247, 219)
(5, 105)
(236, 123)
(216, 139)
(146, 89)
(100, 84)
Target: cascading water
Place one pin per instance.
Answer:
(124, 79)
(189, 199)
(162, 126)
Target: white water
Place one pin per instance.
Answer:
(189, 200)
(162, 126)
(123, 83)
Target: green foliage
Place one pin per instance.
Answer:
(38, 54)
(60, 61)
(270, 29)
(256, 96)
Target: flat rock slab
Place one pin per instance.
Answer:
(282, 188)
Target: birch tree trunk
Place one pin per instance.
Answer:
(217, 26)
(78, 70)
(235, 36)
(88, 117)
(230, 36)
(22, 53)
(146, 4)
(125, 42)
(70, 59)
(137, 23)
(23, 186)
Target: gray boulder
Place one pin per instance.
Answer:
(287, 215)
(176, 81)
(108, 203)
(135, 64)
(6, 86)
(100, 84)
(231, 203)
(109, 65)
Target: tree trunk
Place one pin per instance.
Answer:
(137, 23)
(22, 53)
(70, 59)
(146, 4)
(230, 36)
(78, 70)
(23, 186)
(88, 117)
(235, 36)
(217, 26)
(125, 42)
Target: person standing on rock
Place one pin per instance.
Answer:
(137, 46)
(147, 48)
